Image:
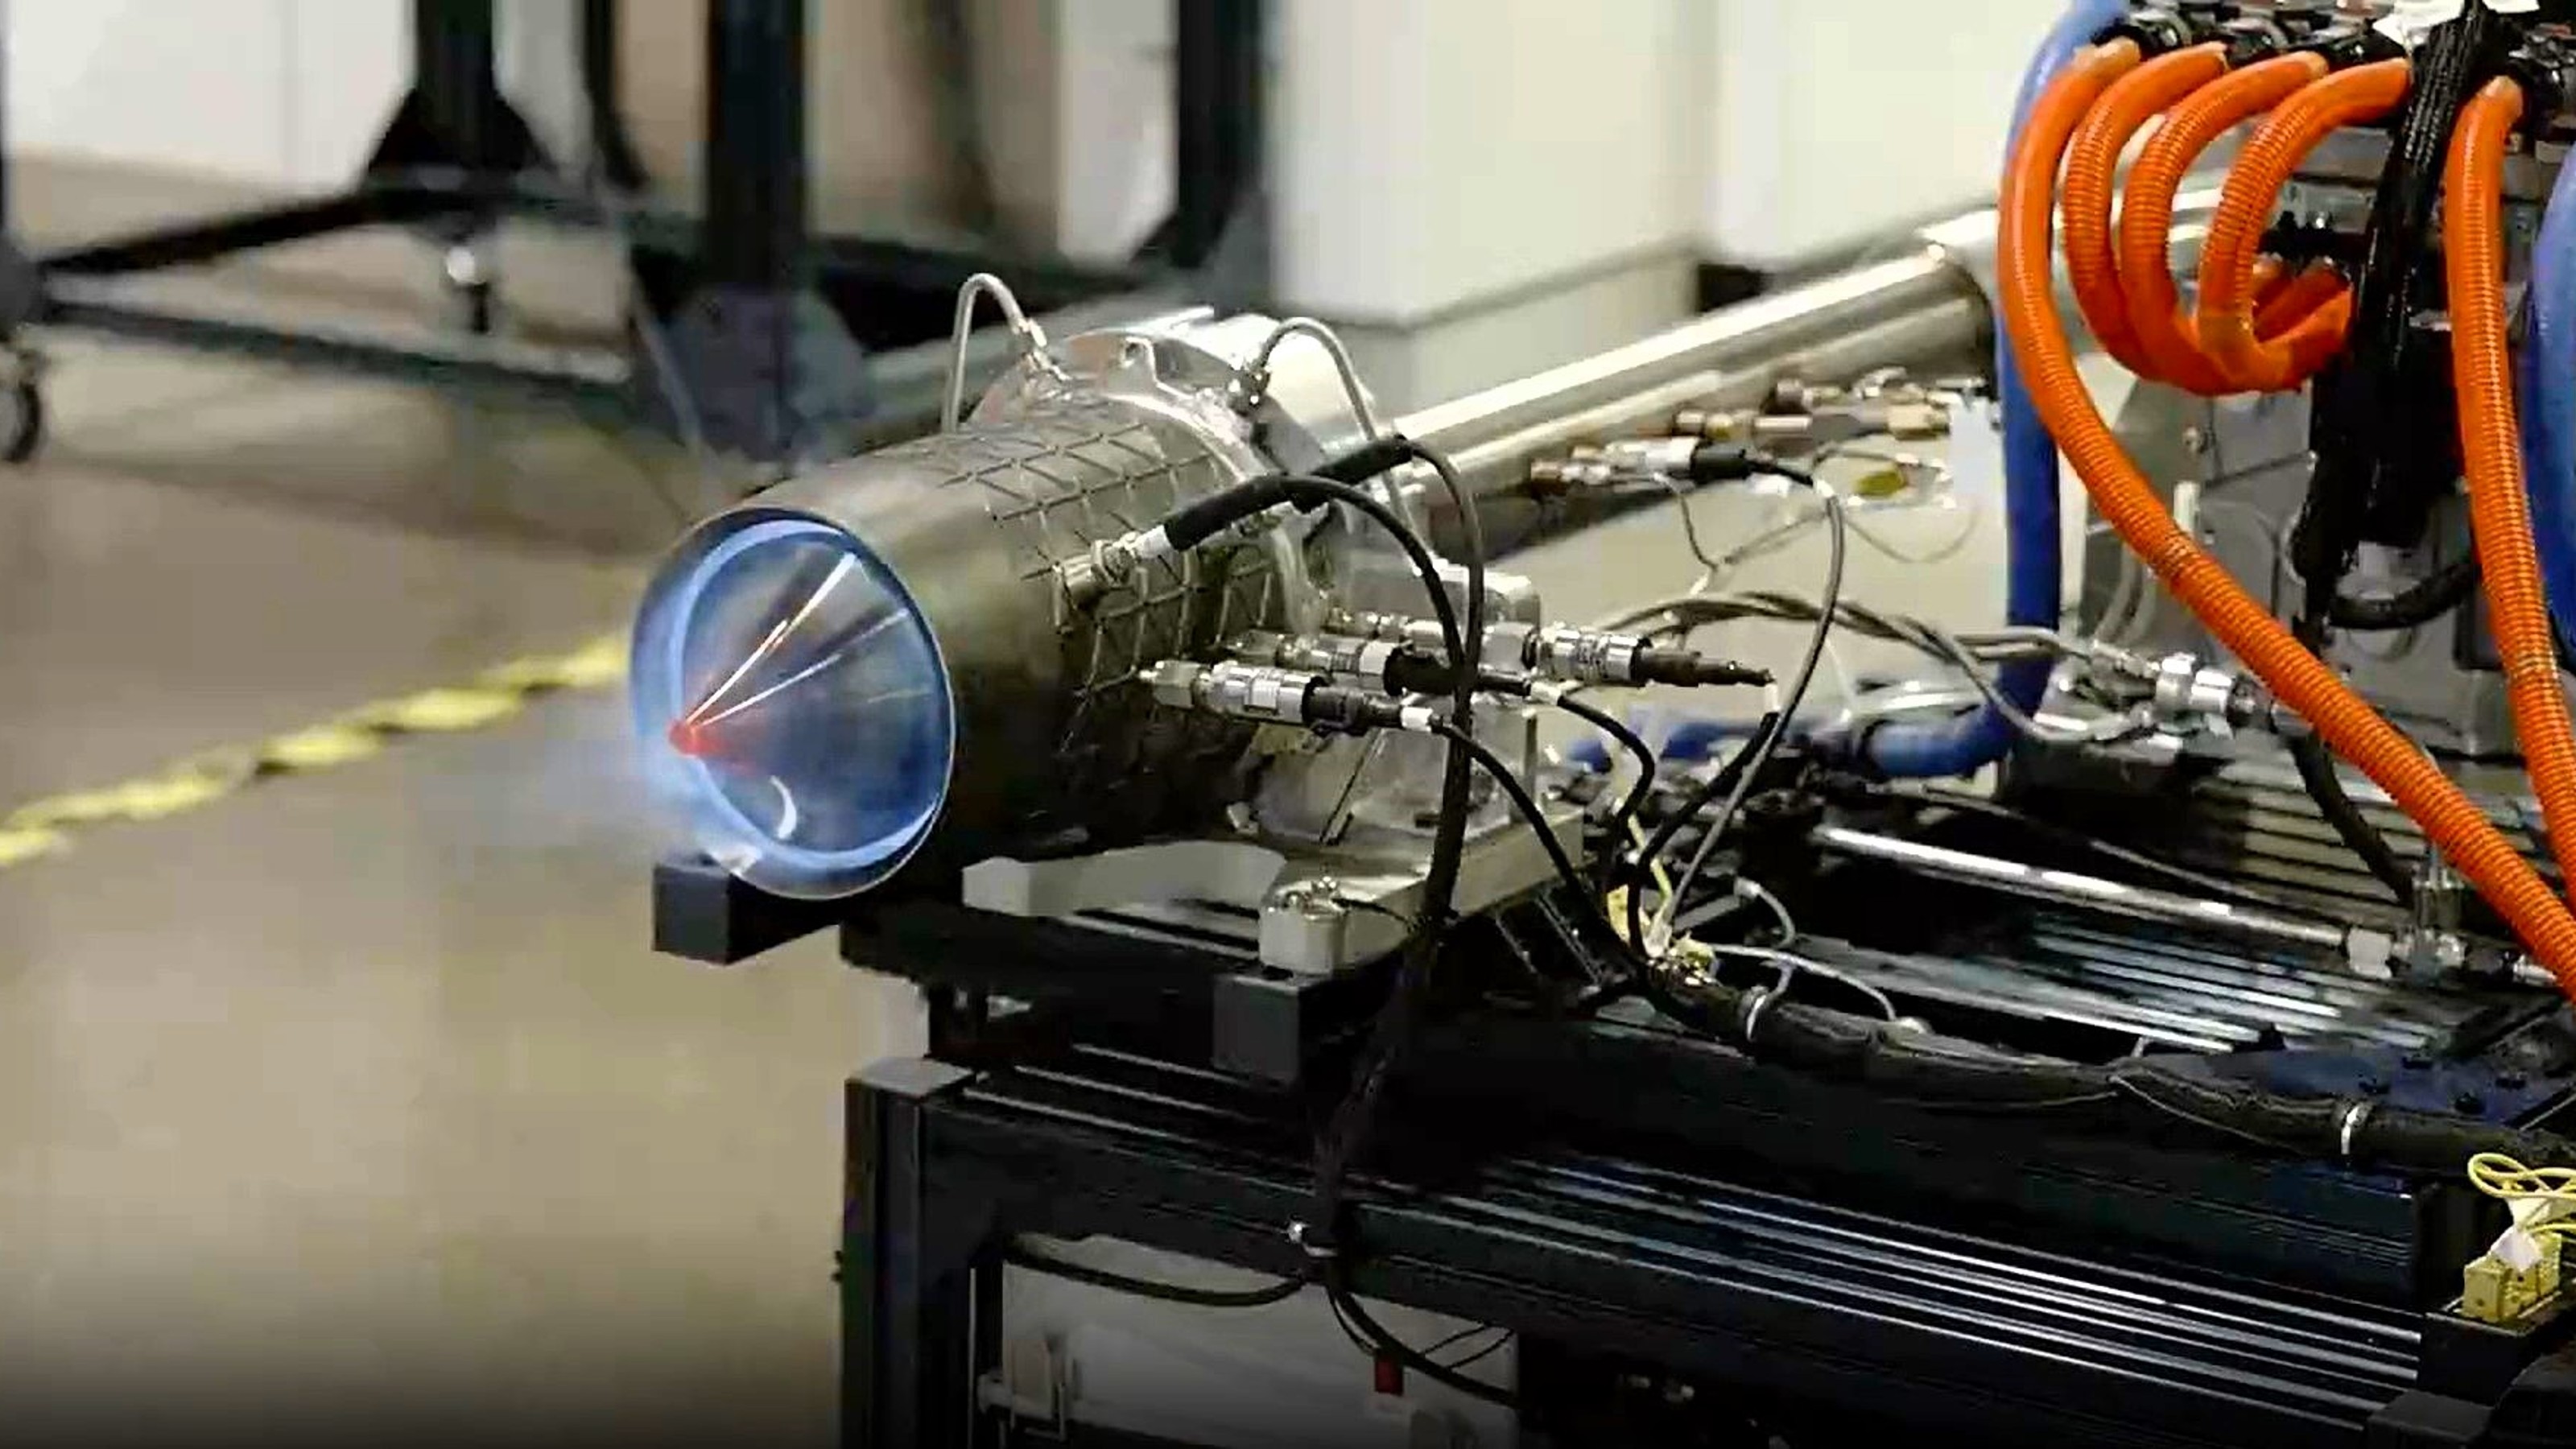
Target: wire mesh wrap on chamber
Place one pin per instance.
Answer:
(1054, 731)
(1079, 471)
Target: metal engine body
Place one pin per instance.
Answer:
(1071, 787)
(1149, 898)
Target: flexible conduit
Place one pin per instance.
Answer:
(2500, 512)
(2124, 496)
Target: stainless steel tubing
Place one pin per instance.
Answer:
(2069, 888)
(1917, 310)
(1929, 307)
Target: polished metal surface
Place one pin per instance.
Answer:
(2168, 989)
(1926, 308)
(1063, 459)
(2113, 897)
(1917, 310)
(1051, 730)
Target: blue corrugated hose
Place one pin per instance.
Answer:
(2549, 401)
(2033, 572)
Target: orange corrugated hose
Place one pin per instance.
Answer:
(2165, 333)
(2278, 304)
(2123, 495)
(2271, 278)
(2490, 434)
(2228, 320)
(2092, 170)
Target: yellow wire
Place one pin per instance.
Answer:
(2499, 1176)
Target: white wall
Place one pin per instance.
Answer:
(1833, 122)
(1428, 155)
(266, 90)
(1437, 152)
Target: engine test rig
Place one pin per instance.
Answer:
(2149, 1027)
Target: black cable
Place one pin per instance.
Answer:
(1838, 545)
(1385, 1344)
(1354, 1120)
(612, 148)
(1946, 1074)
(1636, 745)
(1021, 1255)
(2324, 783)
(1462, 1335)
(1489, 1350)
(1342, 1321)
(2354, 416)
(1522, 801)
(2355, 433)
(961, 115)
(1471, 527)
(2420, 603)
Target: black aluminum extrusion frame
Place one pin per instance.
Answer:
(783, 345)
(1663, 1208)
(1661, 1266)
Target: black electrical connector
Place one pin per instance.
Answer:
(2153, 29)
(2251, 38)
(2344, 42)
(2539, 64)
(1727, 463)
(1412, 669)
(1355, 711)
(1689, 668)
(2204, 18)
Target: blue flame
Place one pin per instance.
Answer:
(810, 695)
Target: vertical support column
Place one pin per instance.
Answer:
(756, 145)
(454, 115)
(910, 1244)
(22, 286)
(456, 75)
(1217, 226)
(612, 150)
(770, 370)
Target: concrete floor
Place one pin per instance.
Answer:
(356, 1103)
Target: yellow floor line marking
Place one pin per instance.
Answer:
(46, 827)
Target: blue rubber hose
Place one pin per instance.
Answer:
(2549, 401)
(2033, 567)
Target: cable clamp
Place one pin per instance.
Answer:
(1755, 1001)
(2354, 1113)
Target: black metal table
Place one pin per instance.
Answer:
(1638, 1205)
(1608, 1265)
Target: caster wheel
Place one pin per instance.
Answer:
(22, 420)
